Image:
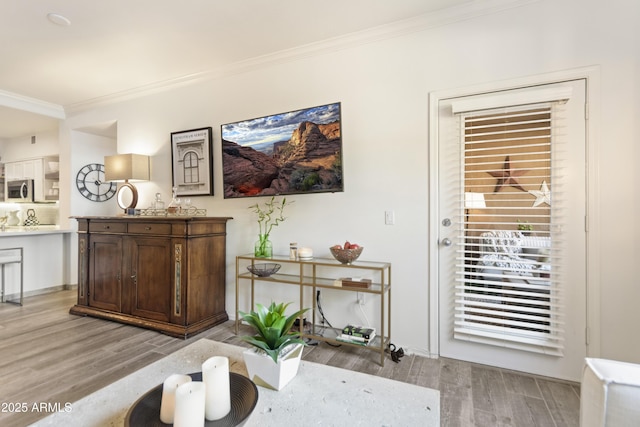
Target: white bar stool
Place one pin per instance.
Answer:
(12, 256)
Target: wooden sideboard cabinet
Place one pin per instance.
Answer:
(162, 273)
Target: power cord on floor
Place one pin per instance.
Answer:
(306, 328)
(324, 319)
(396, 355)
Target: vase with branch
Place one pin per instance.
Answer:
(270, 215)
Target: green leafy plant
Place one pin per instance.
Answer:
(524, 226)
(273, 328)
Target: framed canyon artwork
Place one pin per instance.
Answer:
(289, 153)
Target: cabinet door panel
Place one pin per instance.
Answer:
(150, 278)
(105, 288)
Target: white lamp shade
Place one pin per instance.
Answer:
(126, 167)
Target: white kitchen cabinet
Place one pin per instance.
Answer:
(13, 171)
(51, 179)
(42, 170)
(23, 169)
(33, 170)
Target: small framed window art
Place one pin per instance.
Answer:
(192, 168)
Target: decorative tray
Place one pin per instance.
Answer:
(244, 397)
(190, 211)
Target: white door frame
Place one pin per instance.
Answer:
(592, 221)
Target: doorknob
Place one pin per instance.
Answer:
(446, 241)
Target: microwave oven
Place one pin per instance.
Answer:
(19, 191)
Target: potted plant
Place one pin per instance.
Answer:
(524, 227)
(270, 215)
(275, 358)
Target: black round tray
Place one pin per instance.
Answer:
(244, 397)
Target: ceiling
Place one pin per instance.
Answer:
(117, 47)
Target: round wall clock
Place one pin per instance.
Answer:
(91, 184)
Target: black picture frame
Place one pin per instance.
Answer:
(191, 162)
(297, 152)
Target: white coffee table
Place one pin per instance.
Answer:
(319, 395)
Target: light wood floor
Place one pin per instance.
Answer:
(48, 355)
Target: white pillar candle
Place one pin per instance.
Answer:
(190, 405)
(215, 375)
(305, 253)
(168, 405)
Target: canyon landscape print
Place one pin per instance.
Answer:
(289, 153)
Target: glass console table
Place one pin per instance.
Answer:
(322, 273)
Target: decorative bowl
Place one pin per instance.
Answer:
(54, 166)
(265, 269)
(346, 256)
(244, 398)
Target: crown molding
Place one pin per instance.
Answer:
(468, 10)
(32, 105)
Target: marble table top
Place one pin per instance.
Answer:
(319, 395)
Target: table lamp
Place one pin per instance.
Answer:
(125, 168)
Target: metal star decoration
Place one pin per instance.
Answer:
(508, 176)
(542, 196)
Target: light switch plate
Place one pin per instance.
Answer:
(389, 218)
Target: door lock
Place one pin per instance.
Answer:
(447, 242)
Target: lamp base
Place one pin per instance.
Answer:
(127, 196)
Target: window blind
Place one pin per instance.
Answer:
(508, 287)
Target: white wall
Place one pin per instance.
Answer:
(20, 148)
(88, 148)
(384, 87)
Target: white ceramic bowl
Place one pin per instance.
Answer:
(54, 166)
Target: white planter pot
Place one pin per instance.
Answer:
(265, 373)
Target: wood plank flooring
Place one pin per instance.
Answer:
(50, 356)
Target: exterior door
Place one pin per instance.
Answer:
(512, 241)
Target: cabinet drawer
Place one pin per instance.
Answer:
(149, 228)
(107, 227)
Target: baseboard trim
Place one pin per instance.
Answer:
(42, 291)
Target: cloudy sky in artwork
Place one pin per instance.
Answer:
(278, 127)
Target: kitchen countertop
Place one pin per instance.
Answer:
(12, 231)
